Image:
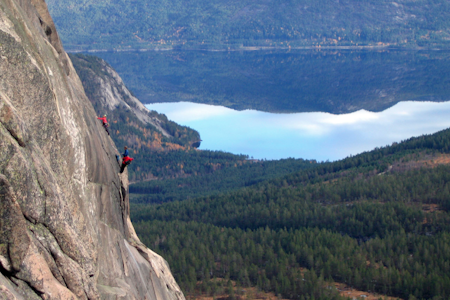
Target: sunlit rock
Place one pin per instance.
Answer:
(65, 231)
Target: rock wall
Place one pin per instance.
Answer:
(65, 231)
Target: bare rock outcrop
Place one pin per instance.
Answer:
(65, 231)
(145, 130)
(107, 90)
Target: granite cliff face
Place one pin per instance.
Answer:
(65, 231)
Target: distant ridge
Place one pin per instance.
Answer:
(215, 24)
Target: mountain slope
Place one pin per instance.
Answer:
(110, 96)
(146, 133)
(378, 222)
(89, 24)
(65, 231)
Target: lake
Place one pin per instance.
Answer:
(337, 82)
(320, 136)
(322, 105)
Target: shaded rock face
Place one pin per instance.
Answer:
(65, 231)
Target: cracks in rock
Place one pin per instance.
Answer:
(55, 271)
(41, 187)
(121, 190)
(28, 284)
(123, 207)
(46, 28)
(55, 258)
(6, 117)
(39, 293)
(124, 193)
(4, 272)
(14, 135)
(117, 187)
(11, 275)
(29, 219)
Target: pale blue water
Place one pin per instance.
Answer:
(320, 136)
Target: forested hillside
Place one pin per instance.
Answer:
(138, 24)
(225, 172)
(378, 221)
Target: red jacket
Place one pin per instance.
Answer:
(127, 159)
(103, 119)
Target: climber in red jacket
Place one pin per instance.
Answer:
(125, 162)
(105, 123)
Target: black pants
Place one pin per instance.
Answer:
(122, 168)
(106, 128)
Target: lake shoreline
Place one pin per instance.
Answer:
(316, 136)
(263, 48)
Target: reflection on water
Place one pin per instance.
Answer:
(337, 82)
(320, 136)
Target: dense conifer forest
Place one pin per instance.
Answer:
(209, 172)
(378, 221)
(231, 24)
